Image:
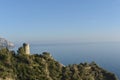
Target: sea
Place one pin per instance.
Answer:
(105, 54)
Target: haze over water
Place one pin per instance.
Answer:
(104, 54)
(66, 21)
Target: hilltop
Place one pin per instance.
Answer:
(21, 66)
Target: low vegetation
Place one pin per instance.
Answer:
(19, 66)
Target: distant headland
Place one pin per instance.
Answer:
(5, 43)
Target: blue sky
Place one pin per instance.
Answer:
(60, 21)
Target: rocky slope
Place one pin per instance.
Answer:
(19, 66)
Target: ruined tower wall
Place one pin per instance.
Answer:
(26, 48)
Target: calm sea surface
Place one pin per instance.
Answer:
(107, 55)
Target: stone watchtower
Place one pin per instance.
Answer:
(26, 48)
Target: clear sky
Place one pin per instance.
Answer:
(56, 21)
